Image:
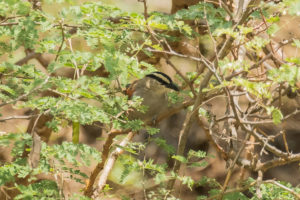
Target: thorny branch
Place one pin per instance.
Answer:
(200, 96)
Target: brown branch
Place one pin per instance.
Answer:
(16, 117)
(110, 162)
(257, 166)
(39, 58)
(106, 147)
(2, 189)
(187, 125)
(88, 191)
(28, 57)
(199, 99)
(62, 41)
(173, 53)
(145, 8)
(34, 155)
(9, 24)
(277, 162)
(265, 142)
(285, 141)
(239, 10)
(231, 167)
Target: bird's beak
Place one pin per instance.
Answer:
(173, 86)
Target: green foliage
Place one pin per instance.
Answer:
(286, 73)
(215, 16)
(272, 191)
(164, 145)
(228, 66)
(126, 171)
(54, 159)
(267, 190)
(44, 189)
(68, 151)
(79, 197)
(93, 37)
(275, 113)
(260, 89)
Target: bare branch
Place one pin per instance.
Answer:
(88, 191)
(62, 40)
(16, 117)
(110, 162)
(28, 57)
(278, 162)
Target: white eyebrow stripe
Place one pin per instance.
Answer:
(163, 78)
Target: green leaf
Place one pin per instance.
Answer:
(6, 139)
(180, 158)
(186, 180)
(277, 116)
(197, 154)
(152, 130)
(198, 164)
(286, 73)
(273, 19)
(39, 190)
(275, 113)
(7, 89)
(273, 29)
(235, 196)
(163, 144)
(296, 43)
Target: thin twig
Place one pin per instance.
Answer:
(230, 170)
(62, 40)
(145, 8)
(295, 194)
(154, 36)
(16, 117)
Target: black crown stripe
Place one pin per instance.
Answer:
(165, 75)
(157, 78)
(170, 85)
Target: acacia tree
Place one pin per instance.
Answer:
(245, 62)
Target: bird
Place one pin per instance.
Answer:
(153, 88)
